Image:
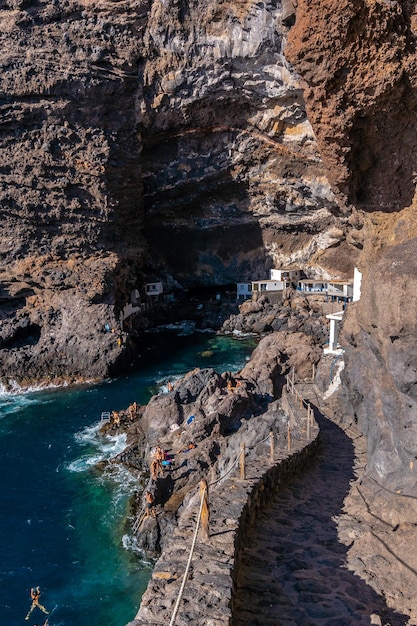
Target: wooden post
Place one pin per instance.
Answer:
(308, 421)
(205, 508)
(242, 461)
(288, 436)
(314, 372)
(293, 377)
(272, 445)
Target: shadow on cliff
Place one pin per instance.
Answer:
(198, 221)
(384, 151)
(293, 568)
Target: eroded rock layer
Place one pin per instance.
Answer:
(358, 60)
(163, 140)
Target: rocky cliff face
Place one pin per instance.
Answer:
(144, 141)
(358, 60)
(201, 144)
(70, 191)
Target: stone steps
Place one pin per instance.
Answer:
(293, 566)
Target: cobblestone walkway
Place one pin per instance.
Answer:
(293, 569)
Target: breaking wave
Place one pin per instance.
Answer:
(100, 448)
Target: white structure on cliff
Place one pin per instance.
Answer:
(244, 291)
(335, 319)
(153, 289)
(279, 280)
(334, 288)
(282, 279)
(286, 275)
(357, 284)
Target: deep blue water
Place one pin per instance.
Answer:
(62, 520)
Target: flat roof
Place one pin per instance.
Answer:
(268, 280)
(326, 281)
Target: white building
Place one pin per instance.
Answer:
(268, 285)
(285, 275)
(244, 291)
(134, 296)
(279, 279)
(334, 288)
(341, 289)
(309, 285)
(153, 289)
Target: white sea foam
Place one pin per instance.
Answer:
(240, 334)
(84, 463)
(129, 542)
(13, 388)
(88, 435)
(10, 404)
(103, 447)
(163, 382)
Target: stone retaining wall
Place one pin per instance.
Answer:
(234, 505)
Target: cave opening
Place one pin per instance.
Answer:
(24, 336)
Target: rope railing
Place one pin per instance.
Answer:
(310, 414)
(187, 569)
(290, 385)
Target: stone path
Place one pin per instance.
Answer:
(293, 570)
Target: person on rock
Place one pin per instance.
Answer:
(132, 410)
(155, 468)
(149, 505)
(159, 454)
(116, 418)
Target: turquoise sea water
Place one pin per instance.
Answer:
(62, 520)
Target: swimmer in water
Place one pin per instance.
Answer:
(35, 593)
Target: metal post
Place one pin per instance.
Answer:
(272, 445)
(242, 461)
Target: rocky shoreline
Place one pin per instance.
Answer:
(201, 424)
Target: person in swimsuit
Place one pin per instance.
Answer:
(35, 595)
(149, 507)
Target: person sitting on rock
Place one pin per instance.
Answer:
(115, 418)
(159, 454)
(132, 410)
(149, 505)
(155, 467)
